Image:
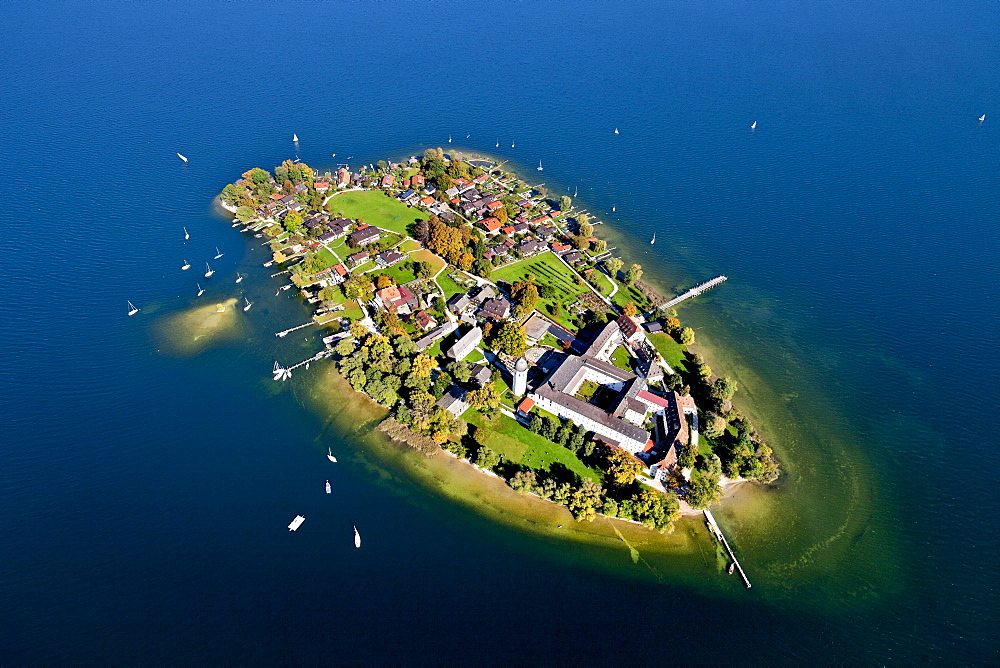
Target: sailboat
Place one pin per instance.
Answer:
(217, 253)
(613, 209)
(132, 310)
(449, 139)
(982, 118)
(498, 143)
(653, 240)
(209, 271)
(357, 538)
(295, 137)
(182, 157)
(239, 279)
(185, 266)
(512, 144)
(201, 290)
(247, 307)
(186, 235)
(329, 452)
(753, 126)
(616, 131)
(576, 191)
(540, 165)
(328, 490)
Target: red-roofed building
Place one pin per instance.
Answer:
(494, 205)
(406, 183)
(397, 297)
(275, 196)
(424, 320)
(541, 220)
(630, 329)
(343, 178)
(417, 180)
(482, 178)
(459, 182)
(559, 247)
(525, 406)
(427, 201)
(321, 186)
(388, 180)
(491, 225)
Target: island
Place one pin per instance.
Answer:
(492, 323)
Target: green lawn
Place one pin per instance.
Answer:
(437, 263)
(507, 437)
(376, 209)
(409, 245)
(621, 359)
(547, 269)
(602, 281)
(401, 271)
(448, 286)
(673, 352)
(329, 259)
(627, 294)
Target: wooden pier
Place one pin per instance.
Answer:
(695, 291)
(289, 331)
(714, 526)
(284, 373)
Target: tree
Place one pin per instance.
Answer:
(600, 246)
(583, 219)
(460, 371)
(633, 274)
(422, 365)
(279, 257)
(672, 325)
(384, 281)
(404, 346)
(546, 291)
(686, 336)
(723, 388)
(714, 427)
(510, 339)
(585, 500)
(704, 491)
(630, 309)
(686, 458)
(487, 458)
(524, 481)
(422, 269)
(586, 230)
(622, 467)
(614, 265)
(358, 287)
(565, 203)
(485, 399)
(465, 261)
(293, 221)
(346, 348)
(526, 295)
(482, 267)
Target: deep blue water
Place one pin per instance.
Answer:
(139, 491)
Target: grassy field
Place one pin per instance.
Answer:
(507, 437)
(376, 209)
(603, 283)
(448, 286)
(426, 256)
(620, 358)
(409, 245)
(401, 271)
(673, 352)
(547, 269)
(329, 259)
(625, 295)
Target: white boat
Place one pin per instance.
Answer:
(613, 209)
(182, 157)
(217, 253)
(616, 131)
(982, 118)
(247, 307)
(576, 191)
(498, 143)
(512, 144)
(221, 308)
(208, 270)
(540, 165)
(297, 522)
(186, 235)
(295, 137)
(753, 126)
(328, 490)
(357, 538)
(132, 310)
(185, 266)
(239, 279)
(329, 452)
(449, 139)
(201, 290)
(653, 240)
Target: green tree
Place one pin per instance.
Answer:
(585, 500)
(714, 427)
(586, 230)
(565, 203)
(686, 336)
(460, 371)
(723, 388)
(510, 339)
(487, 458)
(703, 491)
(601, 246)
(485, 399)
(583, 219)
(292, 221)
(614, 265)
(633, 274)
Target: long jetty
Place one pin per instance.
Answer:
(289, 331)
(284, 373)
(695, 291)
(722, 539)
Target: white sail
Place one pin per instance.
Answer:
(753, 126)
(512, 144)
(982, 118)
(616, 131)
(295, 137)
(239, 279)
(185, 266)
(357, 538)
(498, 143)
(247, 307)
(132, 310)
(182, 157)
(186, 235)
(539, 165)
(208, 270)
(653, 240)
(449, 139)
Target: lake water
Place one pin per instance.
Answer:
(146, 477)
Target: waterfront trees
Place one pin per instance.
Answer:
(686, 336)
(614, 265)
(633, 274)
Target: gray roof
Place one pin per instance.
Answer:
(453, 401)
(466, 344)
(589, 410)
(481, 374)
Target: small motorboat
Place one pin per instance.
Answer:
(182, 157)
(653, 240)
(328, 489)
(296, 523)
(732, 567)
(540, 165)
(449, 139)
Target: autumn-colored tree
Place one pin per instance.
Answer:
(671, 325)
(384, 281)
(465, 261)
(622, 467)
(633, 274)
(501, 215)
(585, 500)
(686, 336)
(485, 399)
(293, 221)
(630, 309)
(422, 365)
(510, 339)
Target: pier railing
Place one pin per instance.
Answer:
(695, 291)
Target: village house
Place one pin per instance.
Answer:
(388, 258)
(357, 258)
(417, 180)
(491, 225)
(497, 309)
(454, 401)
(465, 345)
(459, 302)
(407, 196)
(530, 247)
(343, 178)
(338, 274)
(388, 180)
(364, 236)
(400, 298)
(321, 186)
(424, 320)
(480, 374)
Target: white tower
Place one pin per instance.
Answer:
(520, 377)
